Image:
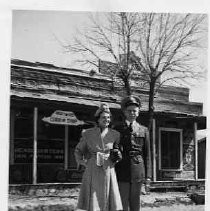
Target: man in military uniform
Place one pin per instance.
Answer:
(135, 165)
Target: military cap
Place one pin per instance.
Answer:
(130, 100)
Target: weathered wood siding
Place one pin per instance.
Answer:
(62, 83)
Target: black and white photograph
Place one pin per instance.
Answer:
(107, 110)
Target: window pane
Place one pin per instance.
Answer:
(74, 136)
(23, 135)
(170, 150)
(23, 150)
(23, 123)
(50, 140)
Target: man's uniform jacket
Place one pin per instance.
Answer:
(136, 156)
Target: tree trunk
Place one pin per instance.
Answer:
(151, 113)
(127, 87)
(151, 104)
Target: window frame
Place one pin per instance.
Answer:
(180, 131)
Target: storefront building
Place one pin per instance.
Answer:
(50, 106)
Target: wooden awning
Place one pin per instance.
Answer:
(61, 98)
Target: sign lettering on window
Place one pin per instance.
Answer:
(49, 151)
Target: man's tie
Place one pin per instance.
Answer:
(131, 128)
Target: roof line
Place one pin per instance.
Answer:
(65, 71)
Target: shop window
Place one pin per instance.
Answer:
(201, 158)
(23, 136)
(73, 136)
(50, 147)
(23, 123)
(50, 144)
(21, 145)
(170, 149)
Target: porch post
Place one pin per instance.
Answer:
(154, 148)
(35, 146)
(66, 148)
(196, 150)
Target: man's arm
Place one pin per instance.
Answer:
(115, 153)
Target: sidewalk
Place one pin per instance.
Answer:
(67, 201)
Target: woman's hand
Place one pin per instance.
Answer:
(82, 165)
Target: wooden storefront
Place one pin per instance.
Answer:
(41, 152)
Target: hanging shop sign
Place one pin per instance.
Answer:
(63, 118)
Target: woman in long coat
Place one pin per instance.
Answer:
(99, 190)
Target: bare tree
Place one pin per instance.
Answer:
(166, 45)
(152, 45)
(110, 39)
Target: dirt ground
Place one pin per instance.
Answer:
(176, 208)
(69, 208)
(68, 202)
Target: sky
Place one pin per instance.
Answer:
(37, 36)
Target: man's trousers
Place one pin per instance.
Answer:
(130, 195)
